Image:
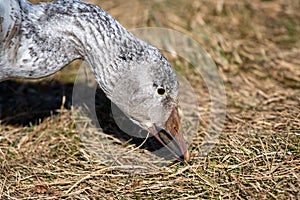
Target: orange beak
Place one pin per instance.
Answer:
(171, 137)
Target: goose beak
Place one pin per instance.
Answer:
(171, 137)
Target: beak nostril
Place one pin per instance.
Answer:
(175, 128)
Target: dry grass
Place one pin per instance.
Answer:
(256, 45)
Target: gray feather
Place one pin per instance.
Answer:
(38, 40)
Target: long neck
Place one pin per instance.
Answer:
(53, 34)
(107, 46)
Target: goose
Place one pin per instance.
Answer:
(37, 40)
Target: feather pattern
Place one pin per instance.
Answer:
(37, 40)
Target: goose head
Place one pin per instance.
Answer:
(148, 94)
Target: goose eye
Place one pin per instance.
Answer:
(161, 91)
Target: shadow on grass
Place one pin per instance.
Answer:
(25, 103)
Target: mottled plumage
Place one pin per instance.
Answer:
(38, 40)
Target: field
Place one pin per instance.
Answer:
(256, 47)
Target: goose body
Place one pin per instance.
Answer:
(37, 40)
